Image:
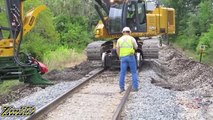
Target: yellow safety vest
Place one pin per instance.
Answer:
(126, 47)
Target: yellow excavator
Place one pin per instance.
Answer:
(145, 19)
(14, 24)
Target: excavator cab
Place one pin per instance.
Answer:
(131, 14)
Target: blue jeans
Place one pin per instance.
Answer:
(124, 63)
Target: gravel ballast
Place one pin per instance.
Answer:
(97, 100)
(42, 97)
(151, 102)
(172, 88)
(156, 103)
(56, 76)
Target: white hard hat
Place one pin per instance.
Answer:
(126, 29)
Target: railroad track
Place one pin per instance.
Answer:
(97, 97)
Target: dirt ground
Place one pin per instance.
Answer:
(56, 76)
(72, 73)
(181, 73)
(194, 79)
(17, 92)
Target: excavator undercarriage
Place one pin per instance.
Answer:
(104, 51)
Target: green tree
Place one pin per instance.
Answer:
(74, 20)
(194, 21)
(73, 31)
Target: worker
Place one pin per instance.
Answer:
(131, 18)
(126, 46)
(131, 12)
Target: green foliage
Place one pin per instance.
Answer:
(3, 19)
(68, 26)
(73, 31)
(193, 19)
(72, 8)
(209, 53)
(206, 39)
(43, 37)
(37, 45)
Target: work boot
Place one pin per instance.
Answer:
(122, 90)
(134, 90)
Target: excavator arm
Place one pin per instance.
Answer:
(29, 19)
(102, 5)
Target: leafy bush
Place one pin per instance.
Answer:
(206, 39)
(73, 31)
(37, 45)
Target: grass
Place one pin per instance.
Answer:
(193, 55)
(63, 57)
(7, 85)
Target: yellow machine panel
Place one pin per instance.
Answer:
(160, 21)
(6, 48)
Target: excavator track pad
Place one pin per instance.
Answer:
(150, 48)
(94, 50)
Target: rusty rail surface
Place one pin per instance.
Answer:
(117, 113)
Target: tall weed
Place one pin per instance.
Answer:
(62, 57)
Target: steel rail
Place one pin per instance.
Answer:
(117, 113)
(53, 104)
